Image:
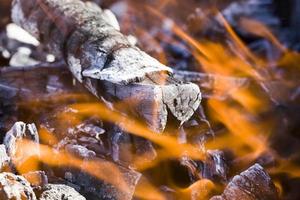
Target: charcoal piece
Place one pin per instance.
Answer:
(90, 134)
(92, 186)
(103, 59)
(17, 76)
(18, 132)
(36, 178)
(59, 191)
(252, 184)
(260, 10)
(121, 146)
(80, 151)
(4, 159)
(215, 166)
(13, 187)
(280, 15)
(144, 148)
(99, 189)
(89, 128)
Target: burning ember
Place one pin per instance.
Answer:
(150, 100)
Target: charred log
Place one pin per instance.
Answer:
(101, 58)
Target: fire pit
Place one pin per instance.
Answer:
(149, 100)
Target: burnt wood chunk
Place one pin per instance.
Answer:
(252, 184)
(13, 187)
(94, 187)
(36, 178)
(105, 62)
(19, 131)
(12, 140)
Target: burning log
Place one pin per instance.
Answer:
(101, 58)
(252, 184)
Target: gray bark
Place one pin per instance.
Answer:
(104, 61)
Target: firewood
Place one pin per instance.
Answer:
(104, 61)
(252, 184)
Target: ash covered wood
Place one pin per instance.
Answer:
(101, 58)
(252, 184)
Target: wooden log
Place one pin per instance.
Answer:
(104, 61)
